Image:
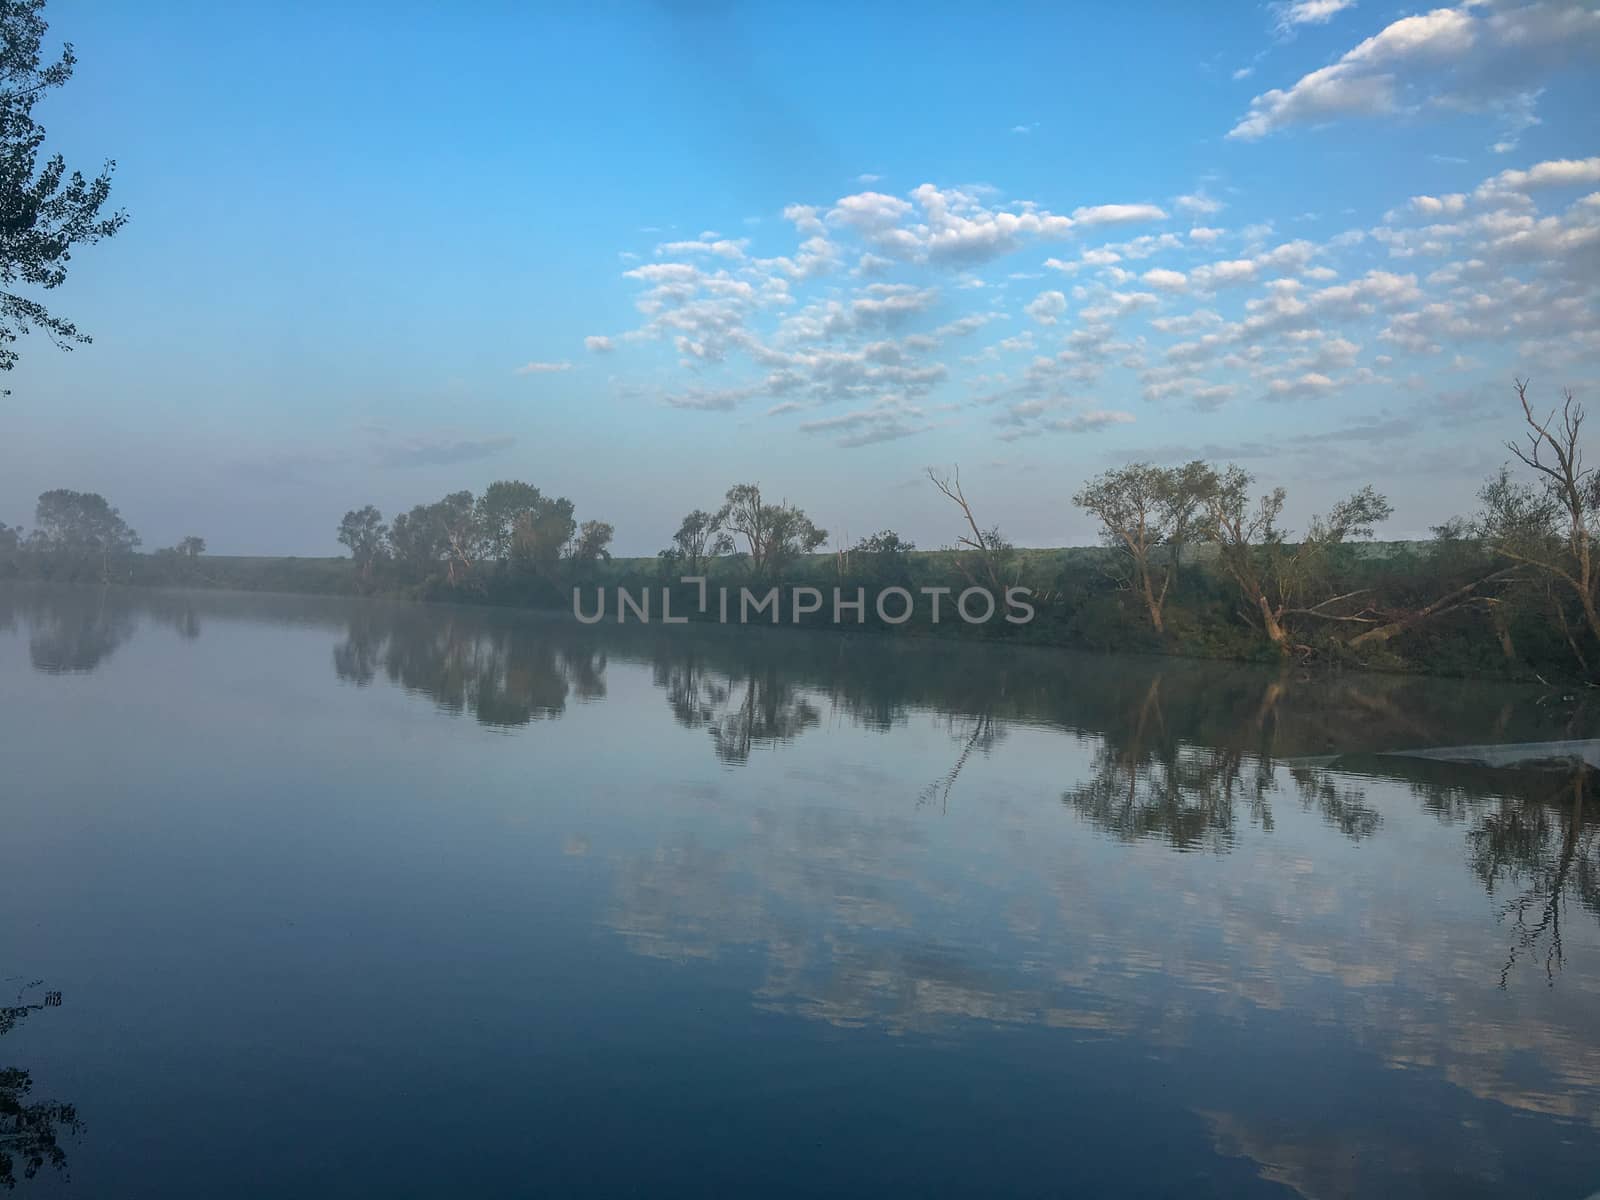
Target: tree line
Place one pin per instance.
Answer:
(512, 534)
(1193, 559)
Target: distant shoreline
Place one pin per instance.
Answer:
(1206, 638)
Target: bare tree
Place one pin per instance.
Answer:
(990, 552)
(1551, 525)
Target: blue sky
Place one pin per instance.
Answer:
(635, 254)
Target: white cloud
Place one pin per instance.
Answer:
(1476, 57)
(1307, 12)
(599, 344)
(1559, 172)
(1047, 307)
(1166, 281)
(1117, 214)
(847, 330)
(1199, 204)
(543, 368)
(1312, 383)
(1230, 273)
(1436, 205)
(706, 244)
(869, 212)
(804, 218)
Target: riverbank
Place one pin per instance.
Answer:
(1076, 597)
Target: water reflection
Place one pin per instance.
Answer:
(501, 678)
(1224, 870)
(740, 711)
(1534, 843)
(72, 631)
(30, 1129)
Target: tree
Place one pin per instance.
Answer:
(699, 537)
(991, 553)
(82, 525)
(593, 541)
(543, 532)
(363, 531)
(1467, 568)
(1145, 510)
(1278, 581)
(416, 541)
(457, 519)
(774, 534)
(1551, 524)
(502, 505)
(884, 557)
(44, 211)
(191, 546)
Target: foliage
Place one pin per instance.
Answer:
(775, 535)
(1146, 513)
(44, 211)
(363, 531)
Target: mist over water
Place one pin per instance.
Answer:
(358, 898)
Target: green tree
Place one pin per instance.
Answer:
(542, 533)
(44, 211)
(1145, 514)
(80, 526)
(192, 546)
(699, 538)
(1280, 583)
(592, 542)
(774, 534)
(363, 531)
(416, 541)
(457, 518)
(884, 558)
(502, 505)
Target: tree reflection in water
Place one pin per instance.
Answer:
(1186, 753)
(503, 676)
(30, 1130)
(1151, 782)
(1532, 832)
(72, 631)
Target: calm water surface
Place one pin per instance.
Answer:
(357, 899)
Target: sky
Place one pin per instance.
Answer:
(635, 254)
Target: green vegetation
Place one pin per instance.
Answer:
(44, 211)
(1193, 562)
